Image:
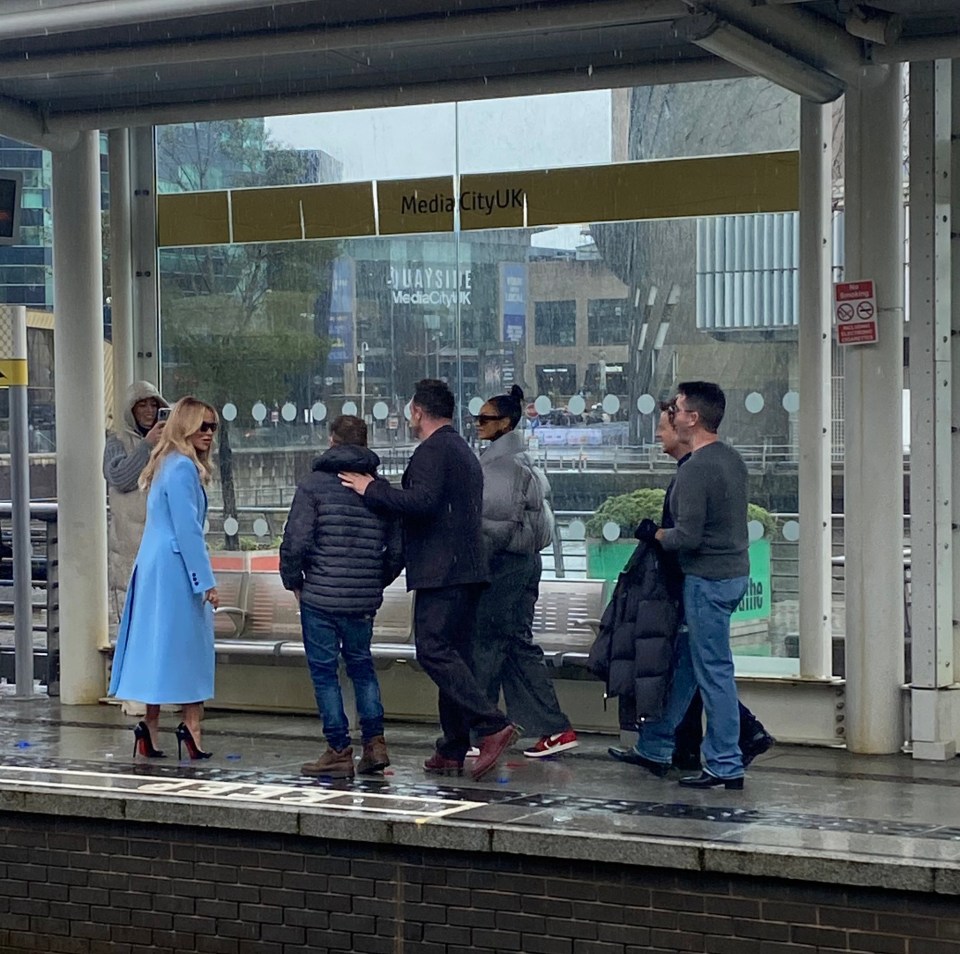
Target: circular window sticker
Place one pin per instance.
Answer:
(754, 402)
(611, 531)
(259, 412)
(230, 526)
(791, 531)
(349, 407)
(380, 411)
(576, 530)
(260, 527)
(791, 402)
(755, 530)
(611, 404)
(576, 405)
(229, 412)
(543, 405)
(646, 404)
(289, 411)
(319, 411)
(475, 404)
(406, 410)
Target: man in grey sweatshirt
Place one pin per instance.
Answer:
(710, 538)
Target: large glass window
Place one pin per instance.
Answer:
(596, 316)
(607, 321)
(556, 323)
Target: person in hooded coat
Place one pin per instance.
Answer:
(125, 455)
(337, 555)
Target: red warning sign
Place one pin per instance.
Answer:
(855, 310)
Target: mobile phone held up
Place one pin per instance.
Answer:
(163, 414)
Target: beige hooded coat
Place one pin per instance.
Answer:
(125, 455)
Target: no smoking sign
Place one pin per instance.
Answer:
(855, 309)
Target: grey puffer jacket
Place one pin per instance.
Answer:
(335, 549)
(516, 511)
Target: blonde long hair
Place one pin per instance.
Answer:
(185, 419)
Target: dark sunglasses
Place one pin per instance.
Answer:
(208, 427)
(488, 418)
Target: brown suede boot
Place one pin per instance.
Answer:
(375, 758)
(332, 764)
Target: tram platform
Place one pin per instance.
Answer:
(822, 852)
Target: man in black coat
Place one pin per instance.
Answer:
(441, 505)
(336, 557)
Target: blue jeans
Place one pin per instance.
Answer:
(325, 637)
(702, 657)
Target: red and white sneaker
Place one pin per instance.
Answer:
(553, 745)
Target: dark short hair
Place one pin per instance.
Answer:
(434, 398)
(509, 405)
(707, 399)
(349, 429)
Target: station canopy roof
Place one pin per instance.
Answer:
(68, 65)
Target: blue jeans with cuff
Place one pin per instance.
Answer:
(702, 657)
(326, 637)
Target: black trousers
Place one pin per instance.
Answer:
(689, 734)
(444, 624)
(504, 653)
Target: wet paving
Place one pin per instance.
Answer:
(822, 800)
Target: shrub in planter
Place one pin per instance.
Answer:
(628, 510)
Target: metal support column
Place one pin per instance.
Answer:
(121, 269)
(13, 346)
(933, 712)
(873, 387)
(816, 656)
(78, 348)
(143, 239)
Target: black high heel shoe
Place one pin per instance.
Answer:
(143, 744)
(185, 738)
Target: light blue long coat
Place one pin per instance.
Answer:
(165, 650)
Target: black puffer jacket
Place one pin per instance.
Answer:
(335, 549)
(633, 652)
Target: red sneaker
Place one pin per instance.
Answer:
(438, 765)
(553, 745)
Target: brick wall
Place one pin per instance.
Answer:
(75, 886)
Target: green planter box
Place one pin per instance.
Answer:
(606, 560)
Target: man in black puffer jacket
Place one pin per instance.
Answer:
(337, 556)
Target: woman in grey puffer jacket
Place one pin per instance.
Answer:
(517, 525)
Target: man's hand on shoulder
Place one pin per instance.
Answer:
(357, 482)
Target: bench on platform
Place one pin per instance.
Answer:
(258, 617)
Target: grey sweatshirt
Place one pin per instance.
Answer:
(709, 506)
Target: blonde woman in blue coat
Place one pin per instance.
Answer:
(165, 652)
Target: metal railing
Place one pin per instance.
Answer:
(567, 558)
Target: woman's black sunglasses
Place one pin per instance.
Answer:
(208, 427)
(487, 418)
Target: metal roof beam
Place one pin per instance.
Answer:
(390, 34)
(499, 87)
(47, 20)
(27, 125)
(815, 40)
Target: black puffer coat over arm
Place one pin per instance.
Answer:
(634, 649)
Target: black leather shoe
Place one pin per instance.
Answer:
(706, 780)
(634, 758)
(757, 746)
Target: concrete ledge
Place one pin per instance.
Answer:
(460, 832)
